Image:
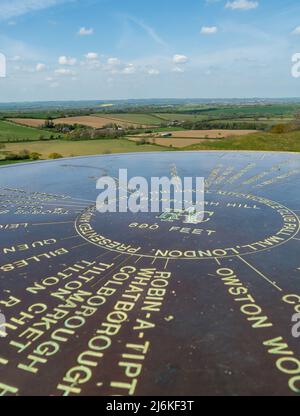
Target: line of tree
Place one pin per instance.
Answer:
(95, 134)
(223, 125)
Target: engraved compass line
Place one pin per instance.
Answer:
(253, 180)
(112, 271)
(69, 238)
(274, 284)
(79, 245)
(52, 223)
(138, 259)
(232, 180)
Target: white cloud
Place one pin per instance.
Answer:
(83, 31)
(113, 61)
(209, 30)
(178, 69)
(242, 5)
(65, 60)
(129, 69)
(16, 58)
(180, 59)
(296, 31)
(153, 71)
(40, 67)
(64, 71)
(13, 8)
(91, 56)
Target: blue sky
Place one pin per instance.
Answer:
(116, 49)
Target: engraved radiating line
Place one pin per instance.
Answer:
(58, 204)
(218, 261)
(52, 223)
(261, 274)
(81, 199)
(235, 179)
(80, 245)
(69, 238)
(167, 262)
(221, 179)
(69, 201)
(111, 271)
(154, 260)
(119, 255)
(213, 175)
(138, 260)
(255, 179)
(294, 238)
(102, 255)
(55, 199)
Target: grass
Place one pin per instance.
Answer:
(12, 162)
(288, 142)
(13, 132)
(260, 110)
(165, 117)
(81, 148)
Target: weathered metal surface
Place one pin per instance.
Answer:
(168, 309)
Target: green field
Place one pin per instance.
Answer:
(181, 117)
(81, 148)
(238, 110)
(288, 142)
(10, 132)
(234, 113)
(12, 162)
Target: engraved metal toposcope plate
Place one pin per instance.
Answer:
(147, 304)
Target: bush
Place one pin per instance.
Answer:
(279, 129)
(35, 156)
(141, 142)
(23, 155)
(55, 156)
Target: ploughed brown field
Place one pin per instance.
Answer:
(29, 122)
(185, 138)
(210, 134)
(169, 141)
(89, 121)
